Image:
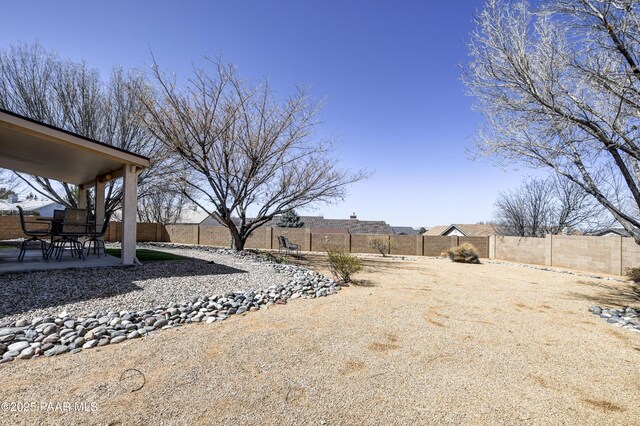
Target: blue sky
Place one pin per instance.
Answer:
(388, 71)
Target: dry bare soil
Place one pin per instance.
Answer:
(424, 341)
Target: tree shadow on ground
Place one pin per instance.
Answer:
(363, 283)
(26, 291)
(608, 294)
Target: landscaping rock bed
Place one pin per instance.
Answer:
(53, 334)
(627, 317)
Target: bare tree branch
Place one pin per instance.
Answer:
(559, 87)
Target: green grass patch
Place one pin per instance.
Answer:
(146, 255)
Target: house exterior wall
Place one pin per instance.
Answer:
(47, 211)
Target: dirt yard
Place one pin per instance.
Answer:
(424, 341)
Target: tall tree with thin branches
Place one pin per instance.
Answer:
(559, 87)
(246, 152)
(548, 206)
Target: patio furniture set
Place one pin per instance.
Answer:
(72, 230)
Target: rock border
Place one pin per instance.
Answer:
(626, 317)
(49, 336)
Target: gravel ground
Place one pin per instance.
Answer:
(424, 341)
(82, 291)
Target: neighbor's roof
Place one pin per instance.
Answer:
(27, 205)
(36, 148)
(404, 230)
(353, 226)
(437, 230)
(469, 230)
(192, 214)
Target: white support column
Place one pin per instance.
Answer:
(99, 204)
(129, 208)
(82, 198)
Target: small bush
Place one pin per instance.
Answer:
(464, 253)
(380, 244)
(633, 274)
(343, 264)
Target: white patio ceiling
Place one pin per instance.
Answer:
(31, 147)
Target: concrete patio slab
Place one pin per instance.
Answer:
(33, 261)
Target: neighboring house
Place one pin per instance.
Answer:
(404, 230)
(319, 224)
(462, 230)
(192, 214)
(39, 207)
(612, 232)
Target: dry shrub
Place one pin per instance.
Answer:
(380, 244)
(343, 264)
(464, 253)
(633, 274)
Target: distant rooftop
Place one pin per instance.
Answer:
(320, 224)
(468, 230)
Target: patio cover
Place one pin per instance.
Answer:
(29, 146)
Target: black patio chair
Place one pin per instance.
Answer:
(56, 225)
(34, 234)
(290, 247)
(96, 238)
(74, 226)
(281, 244)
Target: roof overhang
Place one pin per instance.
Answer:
(38, 149)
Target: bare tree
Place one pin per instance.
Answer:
(559, 87)
(40, 85)
(8, 183)
(161, 207)
(380, 244)
(548, 206)
(244, 149)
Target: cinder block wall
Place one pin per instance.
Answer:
(520, 249)
(600, 254)
(435, 245)
(258, 239)
(630, 254)
(322, 241)
(182, 234)
(610, 255)
(360, 243)
(480, 243)
(215, 236)
(10, 226)
(404, 245)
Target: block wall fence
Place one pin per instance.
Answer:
(611, 255)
